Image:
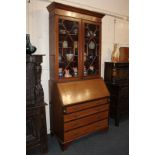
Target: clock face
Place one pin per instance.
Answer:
(91, 45)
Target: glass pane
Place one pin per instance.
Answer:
(68, 48)
(91, 53)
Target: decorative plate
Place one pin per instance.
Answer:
(91, 45)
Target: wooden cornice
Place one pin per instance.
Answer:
(56, 5)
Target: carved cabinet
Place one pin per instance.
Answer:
(36, 132)
(75, 67)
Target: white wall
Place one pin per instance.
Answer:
(37, 27)
(121, 37)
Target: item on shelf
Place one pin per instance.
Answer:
(89, 33)
(91, 57)
(91, 69)
(60, 58)
(85, 71)
(75, 28)
(75, 31)
(29, 47)
(85, 56)
(67, 74)
(62, 31)
(91, 45)
(75, 71)
(60, 72)
(69, 57)
(65, 44)
(75, 45)
(76, 51)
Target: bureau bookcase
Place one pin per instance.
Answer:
(79, 102)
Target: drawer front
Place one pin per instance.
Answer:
(87, 112)
(86, 105)
(85, 121)
(124, 91)
(76, 133)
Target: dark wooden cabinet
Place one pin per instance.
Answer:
(78, 96)
(36, 130)
(116, 76)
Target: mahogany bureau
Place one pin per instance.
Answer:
(78, 96)
(79, 110)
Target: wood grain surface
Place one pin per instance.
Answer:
(82, 91)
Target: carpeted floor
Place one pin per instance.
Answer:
(113, 142)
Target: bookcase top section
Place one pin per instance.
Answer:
(82, 91)
(56, 5)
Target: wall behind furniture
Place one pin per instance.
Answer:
(38, 27)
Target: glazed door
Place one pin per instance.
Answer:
(91, 49)
(68, 48)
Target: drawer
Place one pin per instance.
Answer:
(124, 100)
(87, 112)
(76, 133)
(86, 105)
(124, 91)
(85, 121)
